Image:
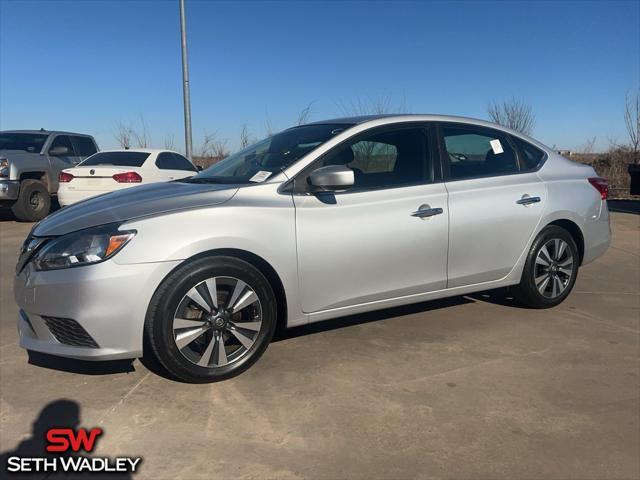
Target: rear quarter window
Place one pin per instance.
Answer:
(531, 157)
(173, 161)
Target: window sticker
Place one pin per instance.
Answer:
(496, 146)
(261, 176)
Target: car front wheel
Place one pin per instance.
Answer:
(211, 319)
(550, 270)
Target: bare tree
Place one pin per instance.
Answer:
(371, 106)
(141, 136)
(245, 137)
(122, 135)
(514, 114)
(632, 122)
(127, 136)
(305, 113)
(212, 148)
(169, 141)
(267, 125)
(589, 145)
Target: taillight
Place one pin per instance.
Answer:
(65, 177)
(601, 185)
(127, 177)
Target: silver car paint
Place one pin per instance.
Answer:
(362, 253)
(366, 246)
(142, 201)
(110, 301)
(479, 249)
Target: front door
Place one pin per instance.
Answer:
(385, 237)
(61, 155)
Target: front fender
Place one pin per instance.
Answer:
(257, 220)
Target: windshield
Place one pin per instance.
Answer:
(119, 159)
(29, 142)
(257, 162)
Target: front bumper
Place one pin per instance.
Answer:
(9, 189)
(108, 301)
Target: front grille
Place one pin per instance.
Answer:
(69, 332)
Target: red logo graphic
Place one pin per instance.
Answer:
(63, 439)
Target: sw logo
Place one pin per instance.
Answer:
(63, 439)
(67, 442)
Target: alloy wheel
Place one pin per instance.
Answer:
(217, 322)
(554, 268)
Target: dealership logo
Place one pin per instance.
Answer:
(67, 443)
(63, 439)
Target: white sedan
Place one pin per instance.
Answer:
(109, 171)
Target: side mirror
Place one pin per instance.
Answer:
(59, 151)
(332, 177)
(199, 168)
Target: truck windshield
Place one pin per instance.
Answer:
(29, 142)
(257, 162)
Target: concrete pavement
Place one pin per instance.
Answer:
(470, 387)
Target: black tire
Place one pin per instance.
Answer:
(33, 203)
(171, 296)
(545, 295)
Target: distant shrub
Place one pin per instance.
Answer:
(611, 165)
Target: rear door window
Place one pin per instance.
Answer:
(477, 152)
(173, 161)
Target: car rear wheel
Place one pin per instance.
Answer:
(211, 319)
(33, 203)
(551, 269)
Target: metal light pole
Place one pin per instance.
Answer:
(185, 83)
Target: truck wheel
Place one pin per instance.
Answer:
(33, 203)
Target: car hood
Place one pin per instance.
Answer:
(131, 203)
(15, 155)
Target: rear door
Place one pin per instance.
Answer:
(494, 206)
(367, 244)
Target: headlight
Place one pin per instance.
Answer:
(4, 167)
(82, 248)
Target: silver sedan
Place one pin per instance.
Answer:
(319, 221)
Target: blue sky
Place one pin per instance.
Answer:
(87, 65)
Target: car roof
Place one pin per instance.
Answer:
(47, 132)
(140, 150)
(383, 119)
(404, 117)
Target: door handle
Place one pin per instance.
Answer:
(425, 211)
(527, 200)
